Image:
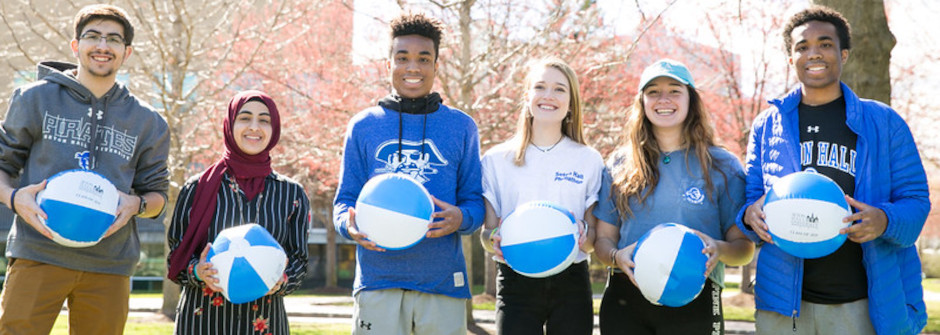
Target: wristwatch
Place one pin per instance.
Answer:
(143, 205)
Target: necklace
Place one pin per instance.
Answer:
(666, 158)
(549, 148)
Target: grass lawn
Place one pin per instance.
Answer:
(136, 327)
(737, 313)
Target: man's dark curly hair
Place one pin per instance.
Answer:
(818, 13)
(418, 24)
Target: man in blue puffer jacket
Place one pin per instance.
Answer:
(872, 283)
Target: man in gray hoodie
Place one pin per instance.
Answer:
(79, 117)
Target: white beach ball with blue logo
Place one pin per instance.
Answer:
(394, 210)
(670, 265)
(804, 212)
(80, 206)
(249, 261)
(539, 239)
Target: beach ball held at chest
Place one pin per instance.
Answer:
(539, 239)
(249, 261)
(394, 210)
(670, 265)
(804, 213)
(81, 205)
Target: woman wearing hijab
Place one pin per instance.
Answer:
(240, 188)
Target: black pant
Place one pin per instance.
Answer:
(624, 310)
(560, 304)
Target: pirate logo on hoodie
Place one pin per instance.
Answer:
(416, 159)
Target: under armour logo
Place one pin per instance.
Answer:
(366, 325)
(98, 115)
(812, 129)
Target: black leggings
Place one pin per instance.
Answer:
(559, 304)
(624, 310)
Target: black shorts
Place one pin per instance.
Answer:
(624, 310)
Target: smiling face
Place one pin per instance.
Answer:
(666, 103)
(412, 66)
(816, 57)
(549, 95)
(98, 59)
(252, 128)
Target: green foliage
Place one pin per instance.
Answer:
(484, 306)
(933, 321)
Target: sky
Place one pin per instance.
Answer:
(907, 18)
(913, 23)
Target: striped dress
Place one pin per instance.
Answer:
(282, 208)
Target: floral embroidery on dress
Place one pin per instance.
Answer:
(217, 301)
(254, 307)
(206, 291)
(198, 311)
(260, 324)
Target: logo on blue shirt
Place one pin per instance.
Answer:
(694, 195)
(417, 159)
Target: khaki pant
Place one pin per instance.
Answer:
(33, 294)
(847, 318)
(406, 312)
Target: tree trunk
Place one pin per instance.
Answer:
(330, 253)
(867, 71)
(177, 70)
(745, 284)
(489, 285)
(464, 104)
(171, 291)
(332, 279)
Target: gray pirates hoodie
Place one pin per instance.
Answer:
(48, 129)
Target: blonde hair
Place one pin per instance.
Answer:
(570, 125)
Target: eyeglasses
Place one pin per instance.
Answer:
(113, 41)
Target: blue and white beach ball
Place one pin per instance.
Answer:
(804, 213)
(394, 210)
(670, 265)
(81, 206)
(249, 261)
(539, 239)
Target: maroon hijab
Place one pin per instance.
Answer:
(249, 172)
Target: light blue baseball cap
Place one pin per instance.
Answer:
(666, 68)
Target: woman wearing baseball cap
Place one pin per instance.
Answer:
(668, 168)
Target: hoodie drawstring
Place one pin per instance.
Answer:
(424, 132)
(93, 146)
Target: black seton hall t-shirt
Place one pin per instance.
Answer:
(827, 146)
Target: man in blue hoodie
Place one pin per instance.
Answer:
(79, 117)
(872, 283)
(422, 289)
